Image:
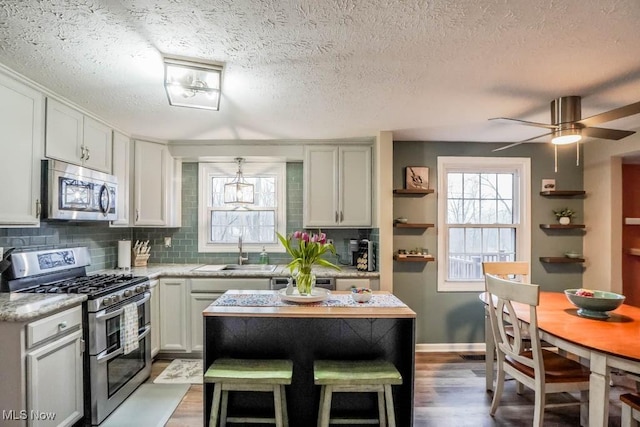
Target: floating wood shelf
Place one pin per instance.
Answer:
(561, 260)
(414, 258)
(412, 225)
(632, 221)
(412, 192)
(563, 193)
(561, 226)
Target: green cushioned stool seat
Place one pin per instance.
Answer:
(249, 375)
(356, 376)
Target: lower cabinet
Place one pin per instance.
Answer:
(174, 315)
(346, 284)
(181, 303)
(54, 382)
(199, 301)
(154, 288)
(42, 371)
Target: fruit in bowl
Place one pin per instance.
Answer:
(594, 304)
(361, 294)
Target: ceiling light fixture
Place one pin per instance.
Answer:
(192, 84)
(566, 136)
(238, 191)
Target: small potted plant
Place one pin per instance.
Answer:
(564, 215)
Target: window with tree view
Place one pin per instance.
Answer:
(482, 217)
(222, 224)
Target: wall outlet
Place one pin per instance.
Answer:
(167, 242)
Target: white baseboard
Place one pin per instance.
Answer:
(450, 347)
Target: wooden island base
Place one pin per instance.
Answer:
(307, 333)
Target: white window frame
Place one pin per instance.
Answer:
(522, 195)
(211, 169)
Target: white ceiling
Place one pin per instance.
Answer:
(316, 69)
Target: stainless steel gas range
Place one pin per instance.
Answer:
(110, 375)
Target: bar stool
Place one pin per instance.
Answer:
(356, 376)
(630, 410)
(249, 375)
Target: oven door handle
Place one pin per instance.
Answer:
(103, 315)
(105, 357)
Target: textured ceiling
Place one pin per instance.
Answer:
(316, 69)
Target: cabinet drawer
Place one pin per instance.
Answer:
(220, 284)
(56, 324)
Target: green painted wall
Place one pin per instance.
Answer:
(459, 317)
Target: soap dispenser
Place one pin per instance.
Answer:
(264, 256)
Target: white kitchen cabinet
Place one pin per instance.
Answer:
(42, 370)
(157, 186)
(22, 125)
(199, 301)
(337, 186)
(78, 139)
(174, 315)
(347, 284)
(122, 170)
(154, 288)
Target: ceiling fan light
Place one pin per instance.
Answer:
(567, 136)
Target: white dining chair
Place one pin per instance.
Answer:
(541, 370)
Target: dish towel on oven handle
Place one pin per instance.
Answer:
(129, 328)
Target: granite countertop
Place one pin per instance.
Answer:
(154, 271)
(17, 307)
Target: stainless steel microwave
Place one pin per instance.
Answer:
(74, 193)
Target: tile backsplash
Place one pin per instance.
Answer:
(102, 239)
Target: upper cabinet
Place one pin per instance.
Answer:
(157, 186)
(75, 138)
(22, 124)
(337, 186)
(122, 170)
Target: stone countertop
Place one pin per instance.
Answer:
(18, 307)
(154, 271)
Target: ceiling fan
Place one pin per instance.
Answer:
(567, 124)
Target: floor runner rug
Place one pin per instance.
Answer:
(181, 371)
(151, 405)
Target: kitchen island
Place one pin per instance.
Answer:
(258, 325)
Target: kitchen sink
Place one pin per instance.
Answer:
(250, 267)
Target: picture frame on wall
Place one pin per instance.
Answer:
(416, 178)
(548, 185)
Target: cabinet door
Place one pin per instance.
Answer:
(320, 198)
(355, 186)
(22, 122)
(97, 142)
(54, 382)
(63, 136)
(150, 190)
(122, 171)
(173, 321)
(154, 288)
(198, 303)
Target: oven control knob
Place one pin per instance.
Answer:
(115, 298)
(127, 293)
(107, 301)
(140, 289)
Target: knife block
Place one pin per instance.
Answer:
(139, 260)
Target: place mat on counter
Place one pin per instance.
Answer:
(273, 300)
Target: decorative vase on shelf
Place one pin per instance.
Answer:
(305, 281)
(564, 220)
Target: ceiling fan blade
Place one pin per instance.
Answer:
(606, 133)
(521, 142)
(528, 123)
(607, 116)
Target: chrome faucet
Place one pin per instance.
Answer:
(240, 257)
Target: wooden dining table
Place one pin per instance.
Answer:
(606, 344)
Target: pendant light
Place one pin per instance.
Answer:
(238, 191)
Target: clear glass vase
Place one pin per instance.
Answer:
(305, 282)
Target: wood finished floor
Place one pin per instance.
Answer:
(449, 391)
